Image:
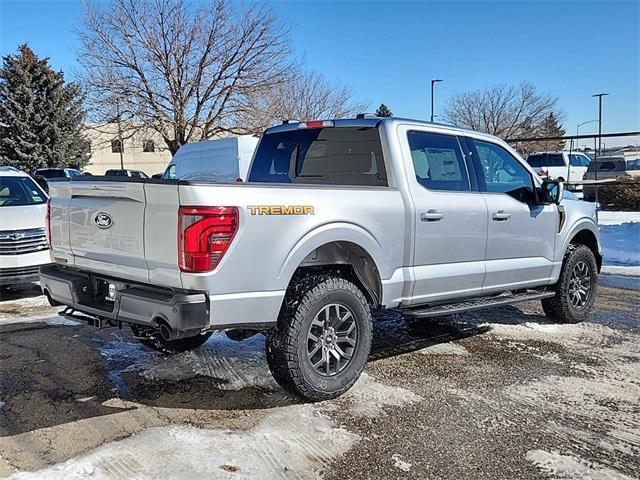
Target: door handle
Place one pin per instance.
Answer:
(431, 216)
(501, 215)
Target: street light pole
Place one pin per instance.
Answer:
(600, 95)
(433, 82)
(578, 130)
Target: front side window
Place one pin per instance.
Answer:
(438, 161)
(19, 191)
(502, 172)
(579, 161)
(330, 156)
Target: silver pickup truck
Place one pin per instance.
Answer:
(338, 219)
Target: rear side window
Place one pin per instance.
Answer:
(438, 161)
(170, 172)
(539, 160)
(330, 156)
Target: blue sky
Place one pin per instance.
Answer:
(388, 51)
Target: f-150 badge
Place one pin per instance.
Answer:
(281, 209)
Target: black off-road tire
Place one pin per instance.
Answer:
(155, 342)
(559, 308)
(287, 353)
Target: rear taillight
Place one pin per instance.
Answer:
(47, 222)
(204, 235)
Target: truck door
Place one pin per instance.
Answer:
(450, 217)
(521, 232)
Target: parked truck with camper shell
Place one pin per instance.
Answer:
(338, 219)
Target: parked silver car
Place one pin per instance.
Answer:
(337, 217)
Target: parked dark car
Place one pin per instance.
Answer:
(125, 173)
(49, 173)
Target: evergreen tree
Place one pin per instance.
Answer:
(41, 116)
(550, 127)
(383, 111)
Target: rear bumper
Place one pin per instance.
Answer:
(133, 303)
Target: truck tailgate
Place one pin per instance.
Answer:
(107, 227)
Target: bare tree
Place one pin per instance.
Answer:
(507, 111)
(183, 70)
(304, 96)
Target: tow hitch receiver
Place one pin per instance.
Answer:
(93, 321)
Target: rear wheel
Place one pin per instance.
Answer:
(576, 288)
(321, 343)
(153, 339)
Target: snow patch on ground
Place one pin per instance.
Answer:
(570, 467)
(449, 348)
(606, 217)
(399, 463)
(621, 244)
(291, 442)
(368, 397)
(31, 310)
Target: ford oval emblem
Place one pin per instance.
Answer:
(103, 220)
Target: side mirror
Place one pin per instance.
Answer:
(552, 192)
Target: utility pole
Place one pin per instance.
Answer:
(433, 82)
(599, 95)
(595, 157)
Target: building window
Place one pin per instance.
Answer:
(148, 146)
(116, 146)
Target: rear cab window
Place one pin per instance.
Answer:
(329, 156)
(539, 160)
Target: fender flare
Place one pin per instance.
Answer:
(584, 223)
(329, 233)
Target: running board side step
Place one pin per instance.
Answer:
(477, 304)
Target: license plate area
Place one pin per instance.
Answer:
(104, 292)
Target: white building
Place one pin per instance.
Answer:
(110, 148)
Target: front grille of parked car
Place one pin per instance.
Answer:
(17, 242)
(19, 271)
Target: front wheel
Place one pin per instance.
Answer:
(321, 343)
(576, 288)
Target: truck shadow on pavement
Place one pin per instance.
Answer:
(54, 375)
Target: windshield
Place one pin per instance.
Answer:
(538, 160)
(20, 191)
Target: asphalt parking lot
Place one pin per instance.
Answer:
(496, 394)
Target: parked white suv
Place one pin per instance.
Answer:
(23, 240)
(561, 166)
